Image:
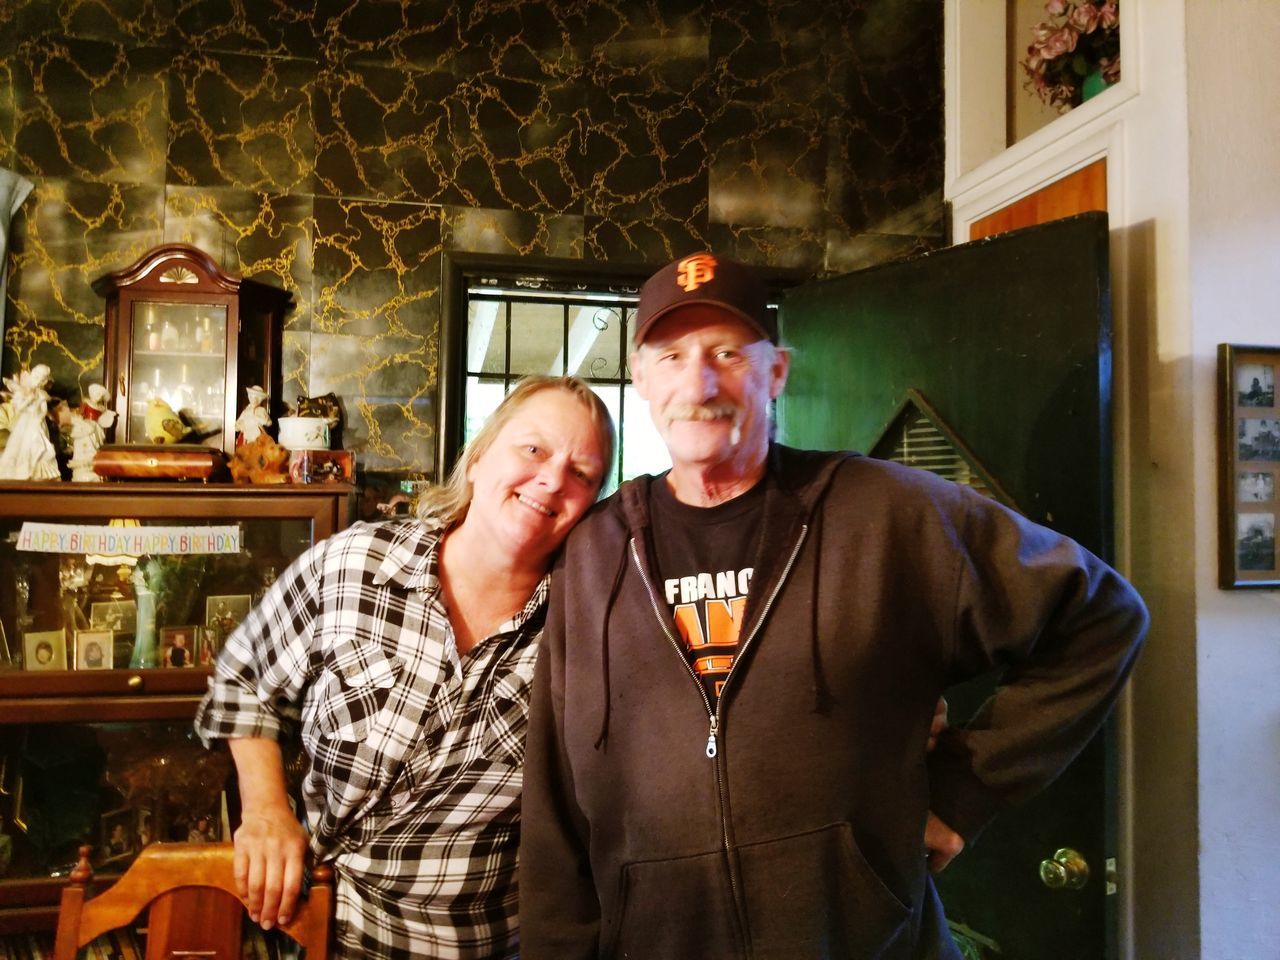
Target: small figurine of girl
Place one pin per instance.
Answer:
(254, 418)
(88, 431)
(29, 454)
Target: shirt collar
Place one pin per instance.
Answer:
(411, 562)
(411, 554)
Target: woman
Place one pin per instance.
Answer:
(404, 651)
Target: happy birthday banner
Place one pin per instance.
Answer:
(37, 537)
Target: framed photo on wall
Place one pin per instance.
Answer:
(1249, 462)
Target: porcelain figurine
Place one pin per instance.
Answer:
(29, 453)
(163, 425)
(254, 418)
(88, 431)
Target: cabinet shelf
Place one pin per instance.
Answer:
(183, 354)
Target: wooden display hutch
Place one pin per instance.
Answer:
(180, 330)
(94, 749)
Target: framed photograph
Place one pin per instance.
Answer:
(178, 646)
(95, 649)
(222, 614)
(1249, 464)
(207, 647)
(44, 650)
(201, 827)
(119, 840)
(118, 615)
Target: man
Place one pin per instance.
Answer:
(727, 747)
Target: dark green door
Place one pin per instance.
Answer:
(1007, 340)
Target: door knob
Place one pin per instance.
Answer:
(1066, 871)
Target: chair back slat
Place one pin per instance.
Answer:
(190, 888)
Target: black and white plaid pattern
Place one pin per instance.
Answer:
(413, 789)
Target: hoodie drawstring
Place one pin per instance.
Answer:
(604, 644)
(821, 692)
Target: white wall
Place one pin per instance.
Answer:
(1233, 73)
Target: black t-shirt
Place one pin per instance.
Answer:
(704, 558)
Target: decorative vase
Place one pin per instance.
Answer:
(144, 639)
(1093, 84)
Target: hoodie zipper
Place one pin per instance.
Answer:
(713, 716)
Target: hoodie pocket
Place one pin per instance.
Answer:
(354, 687)
(814, 894)
(673, 910)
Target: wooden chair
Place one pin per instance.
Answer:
(195, 910)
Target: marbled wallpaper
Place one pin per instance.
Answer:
(338, 148)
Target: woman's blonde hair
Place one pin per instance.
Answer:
(448, 502)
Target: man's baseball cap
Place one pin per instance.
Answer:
(704, 278)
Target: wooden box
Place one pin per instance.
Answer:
(175, 461)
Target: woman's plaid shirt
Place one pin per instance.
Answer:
(413, 785)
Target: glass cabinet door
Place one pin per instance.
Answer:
(126, 593)
(178, 354)
(115, 598)
(182, 331)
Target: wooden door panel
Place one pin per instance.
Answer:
(1008, 339)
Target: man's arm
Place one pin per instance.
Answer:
(1066, 628)
(559, 907)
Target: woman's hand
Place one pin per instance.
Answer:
(270, 843)
(271, 847)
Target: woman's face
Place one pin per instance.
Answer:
(538, 477)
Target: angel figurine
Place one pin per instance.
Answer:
(29, 453)
(88, 429)
(254, 418)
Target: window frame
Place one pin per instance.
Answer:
(459, 270)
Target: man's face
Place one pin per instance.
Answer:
(709, 377)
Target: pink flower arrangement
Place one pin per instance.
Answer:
(1080, 38)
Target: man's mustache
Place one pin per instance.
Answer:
(721, 410)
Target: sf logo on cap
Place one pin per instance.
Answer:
(693, 272)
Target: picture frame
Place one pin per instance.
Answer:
(119, 835)
(1249, 466)
(223, 613)
(44, 650)
(6, 658)
(208, 646)
(95, 649)
(118, 615)
(178, 646)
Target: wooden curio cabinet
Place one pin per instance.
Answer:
(114, 601)
(180, 330)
